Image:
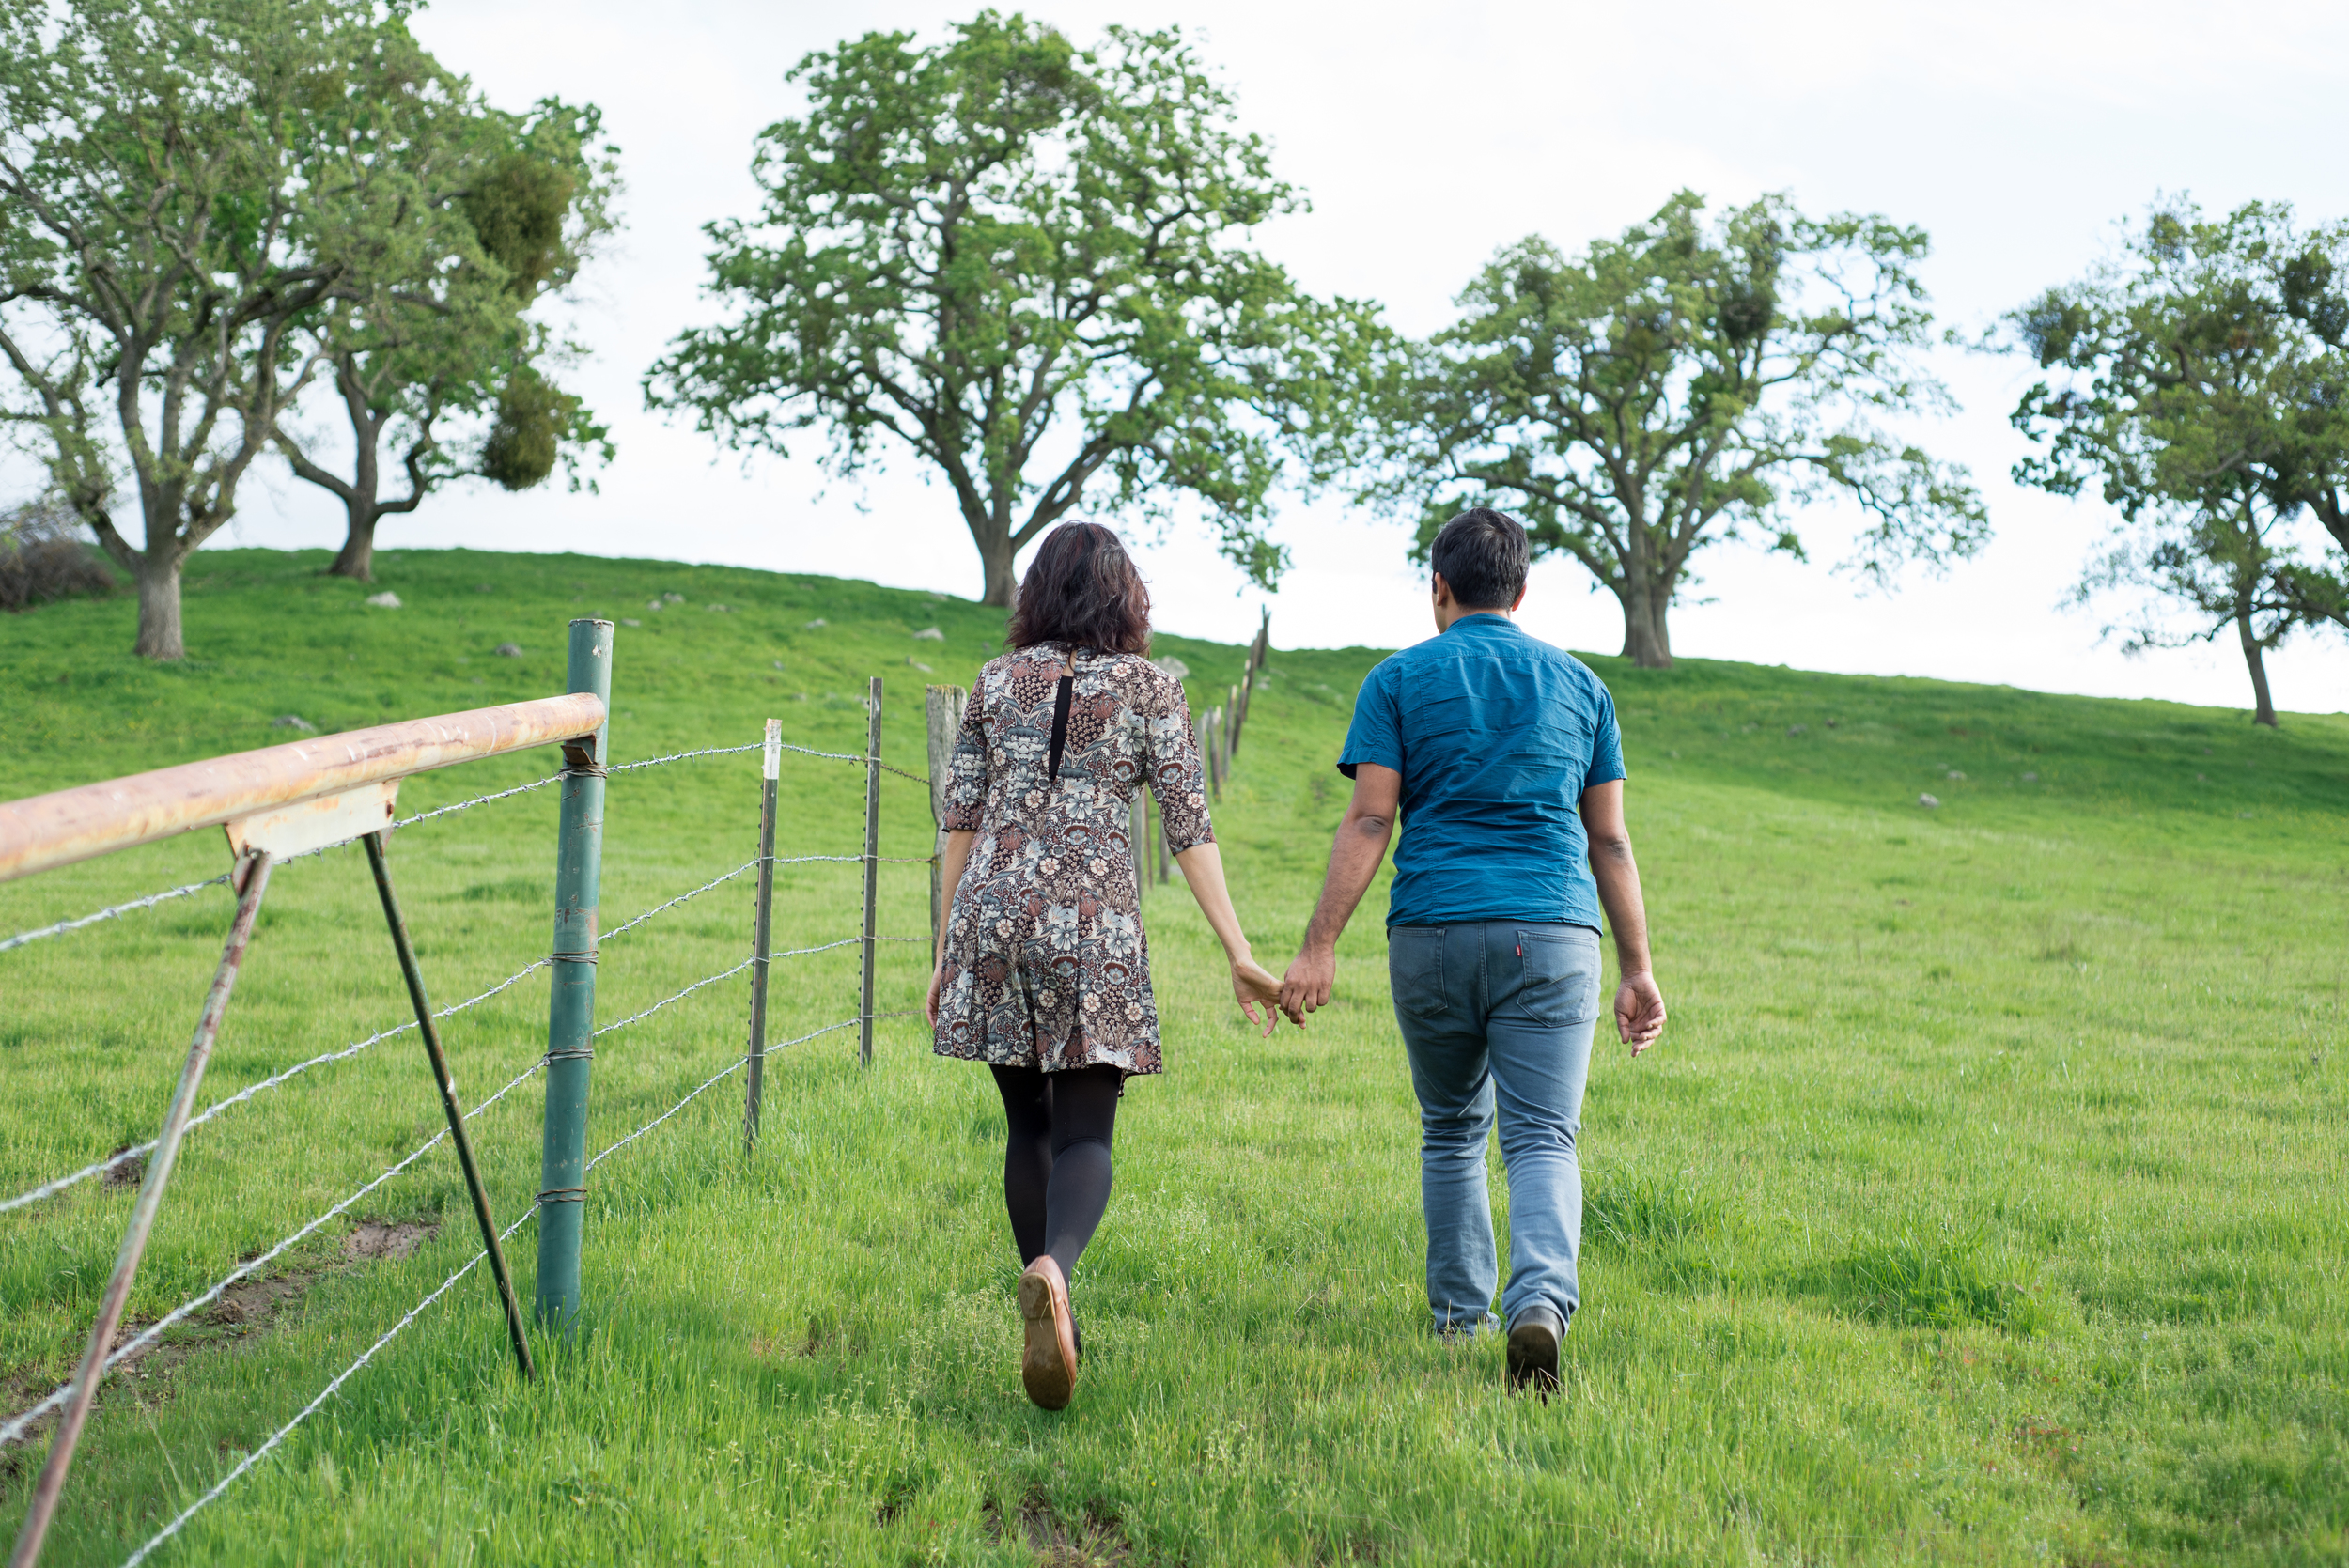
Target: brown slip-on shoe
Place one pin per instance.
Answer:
(1534, 1351)
(1048, 1365)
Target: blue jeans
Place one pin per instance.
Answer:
(1498, 1012)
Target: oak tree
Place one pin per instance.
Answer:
(159, 215)
(1679, 384)
(2198, 379)
(484, 216)
(1026, 265)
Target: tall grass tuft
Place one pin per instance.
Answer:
(1929, 1283)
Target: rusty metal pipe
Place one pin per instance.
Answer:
(430, 1029)
(45, 831)
(252, 880)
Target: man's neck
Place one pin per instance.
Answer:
(1449, 616)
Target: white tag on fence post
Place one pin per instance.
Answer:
(774, 750)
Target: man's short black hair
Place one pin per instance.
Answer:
(1483, 555)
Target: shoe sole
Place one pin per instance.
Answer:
(1534, 1359)
(1047, 1365)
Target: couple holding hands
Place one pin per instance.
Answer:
(1499, 753)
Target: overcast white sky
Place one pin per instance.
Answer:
(1426, 137)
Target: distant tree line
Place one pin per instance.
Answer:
(1032, 268)
(208, 207)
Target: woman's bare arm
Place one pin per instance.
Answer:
(957, 857)
(1252, 984)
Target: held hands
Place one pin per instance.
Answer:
(1638, 1011)
(1252, 984)
(1254, 987)
(1307, 986)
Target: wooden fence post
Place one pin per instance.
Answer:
(944, 705)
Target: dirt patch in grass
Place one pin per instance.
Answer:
(1094, 1540)
(373, 1239)
(246, 1308)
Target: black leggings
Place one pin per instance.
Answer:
(1056, 1167)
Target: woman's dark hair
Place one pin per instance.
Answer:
(1082, 588)
(1483, 555)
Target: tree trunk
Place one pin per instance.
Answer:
(1646, 638)
(996, 553)
(158, 574)
(2252, 656)
(357, 559)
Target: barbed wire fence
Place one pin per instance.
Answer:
(24, 1424)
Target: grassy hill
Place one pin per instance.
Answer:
(1985, 1203)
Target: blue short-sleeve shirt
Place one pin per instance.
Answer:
(1497, 735)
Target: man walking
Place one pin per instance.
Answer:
(1504, 756)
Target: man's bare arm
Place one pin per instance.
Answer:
(1355, 856)
(1638, 1004)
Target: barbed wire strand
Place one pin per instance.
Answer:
(680, 756)
(477, 801)
(76, 923)
(18, 1425)
(659, 908)
(140, 1151)
(856, 756)
(719, 1076)
(324, 1394)
(271, 1443)
(51, 1190)
(61, 927)
(826, 947)
(675, 996)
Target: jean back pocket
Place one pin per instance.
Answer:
(1415, 970)
(1558, 981)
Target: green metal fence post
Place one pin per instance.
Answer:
(571, 1003)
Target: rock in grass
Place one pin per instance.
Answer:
(1173, 666)
(509, 650)
(1928, 803)
(2033, 777)
(816, 625)
(1957, 776)
(386, 600)
(919, 665)
(929, 634)
(294, 722)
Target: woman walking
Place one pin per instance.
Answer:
(1043, 972)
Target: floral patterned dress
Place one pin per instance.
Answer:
(1046, 964)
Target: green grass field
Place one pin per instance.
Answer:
(1983, 1203)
